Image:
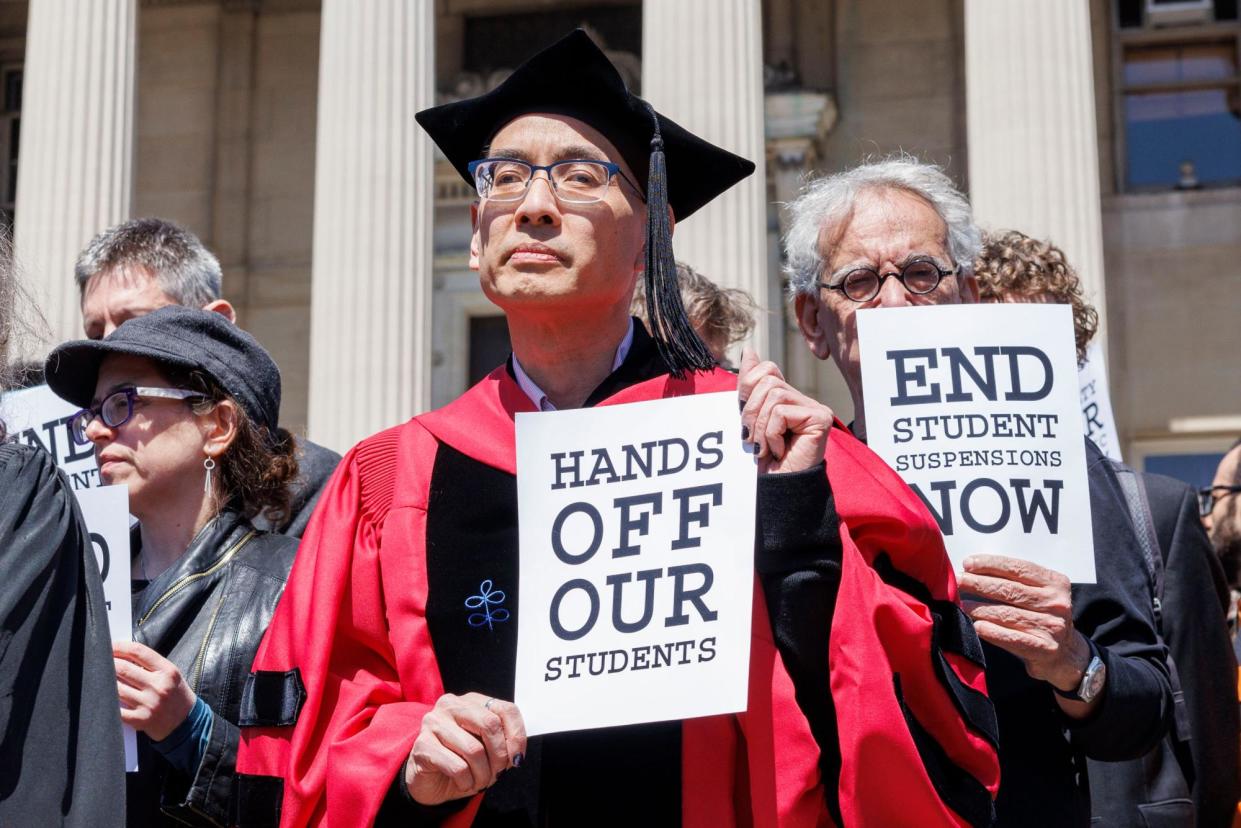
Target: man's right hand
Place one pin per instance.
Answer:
(464, 744)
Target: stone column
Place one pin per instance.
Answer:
(77, 137)
(1033, 142)
(797, 124)
(702, 66)
(370, 345)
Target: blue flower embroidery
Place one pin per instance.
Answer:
(485, 600)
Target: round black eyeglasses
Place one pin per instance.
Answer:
(576, 181)
(117, 408)
(919, 277)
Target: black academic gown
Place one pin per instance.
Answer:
(62, 759)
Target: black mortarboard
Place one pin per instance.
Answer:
(677, 168)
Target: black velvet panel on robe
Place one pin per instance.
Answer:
(614, 776)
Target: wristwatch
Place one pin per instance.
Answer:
(1092, 681)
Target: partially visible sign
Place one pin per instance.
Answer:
(37, 417)
(1097, 419)
(976, 407)
(636, 527)
(106, 510)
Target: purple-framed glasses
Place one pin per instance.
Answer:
(117, 408)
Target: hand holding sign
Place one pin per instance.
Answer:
(464, 745)
(155, 697)
(789, 428)
(1031, 617)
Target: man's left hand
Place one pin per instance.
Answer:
(789, 428)
(1030, 616)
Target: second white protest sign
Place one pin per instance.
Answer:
(976, 407)
(637, 563)
(1098, 420)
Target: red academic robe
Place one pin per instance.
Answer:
(906, 677)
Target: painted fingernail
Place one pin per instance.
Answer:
(740, 404)
(745, 432)
(518, 758)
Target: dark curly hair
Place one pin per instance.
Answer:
(1016, 268)
(256, 469)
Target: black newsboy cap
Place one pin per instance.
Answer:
(179, 337)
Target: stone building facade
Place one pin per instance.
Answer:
(280, 131)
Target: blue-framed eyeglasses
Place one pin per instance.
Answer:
(920, 277)
(576, 181)
(117, 408)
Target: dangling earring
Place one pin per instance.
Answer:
(208, 464)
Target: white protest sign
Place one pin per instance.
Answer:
(1097, 419)
(636, 528)
(976, 407)
(106, 510)
(37, 417)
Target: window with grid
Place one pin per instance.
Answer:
(1179, 94)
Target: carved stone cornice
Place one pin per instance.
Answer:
(791, 153)
(798, 114)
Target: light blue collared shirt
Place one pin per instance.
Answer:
(536, 395)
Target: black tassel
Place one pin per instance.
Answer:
(679, 345)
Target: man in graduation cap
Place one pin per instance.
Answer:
(373, 698)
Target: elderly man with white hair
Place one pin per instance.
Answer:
(1074, 671)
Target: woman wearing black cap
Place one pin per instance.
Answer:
(181, 406)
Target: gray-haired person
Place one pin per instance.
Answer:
(145, 264)
(1074, 671)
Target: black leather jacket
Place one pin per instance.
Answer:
(207, 614)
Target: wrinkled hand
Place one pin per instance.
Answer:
(155, 698)
(463, 746)
(1031, 617)
(789, 428)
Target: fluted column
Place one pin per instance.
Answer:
(1033, 142)
(370, 351)
(702, 66)
(76, 154)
